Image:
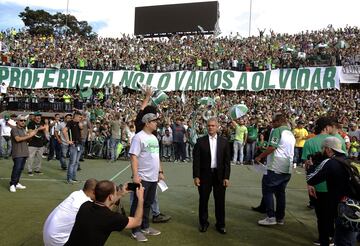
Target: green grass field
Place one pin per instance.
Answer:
(23, 213)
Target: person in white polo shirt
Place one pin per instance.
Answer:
(60, 222)
(280, 155)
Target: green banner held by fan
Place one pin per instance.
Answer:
(206, 101)
(237, 111)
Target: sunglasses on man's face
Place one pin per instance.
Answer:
(22, 120)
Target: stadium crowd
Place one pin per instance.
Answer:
(324, 47)
(310, 48)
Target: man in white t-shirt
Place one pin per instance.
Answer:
(6, 124)
(60, 222)
(280, 155)
(146, 169)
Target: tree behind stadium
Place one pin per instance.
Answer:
(40, 22)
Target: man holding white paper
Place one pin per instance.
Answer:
(279, 154)
(147, 170)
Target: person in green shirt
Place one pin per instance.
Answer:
(67, 101)
(319, 198)
(251, 141)
(279, 154)
(241, 133)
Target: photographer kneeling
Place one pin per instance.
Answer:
(95, 221)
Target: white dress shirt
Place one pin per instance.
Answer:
(213, 145)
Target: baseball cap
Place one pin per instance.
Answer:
(149, 117)
(37, 113)
(6, 117)
(333, 143)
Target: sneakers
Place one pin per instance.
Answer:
(38, 172)
(267, 221)
(280, 222)
(151, 231)
(72, 181)
(331, 242)
(139, 236)
(12, 188)
(20, 187)
(161, 218)
(30, 174)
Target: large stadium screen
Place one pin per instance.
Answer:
(176, 18)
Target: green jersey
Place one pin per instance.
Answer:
(240, 132)
(283, 140)
(313, 146)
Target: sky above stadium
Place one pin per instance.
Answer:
(110, 18)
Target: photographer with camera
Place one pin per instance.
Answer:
(332, 170)
(95, 221)
(324, 127)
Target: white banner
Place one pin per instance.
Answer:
(312, 78)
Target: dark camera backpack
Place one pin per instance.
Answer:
(349, 207)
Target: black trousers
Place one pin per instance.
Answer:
(325, 217)
(180, 151)
(206, 186)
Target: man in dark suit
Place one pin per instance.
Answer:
(211, 170)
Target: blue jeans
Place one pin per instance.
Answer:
(5, 141)
(344, 237)
(19, 164)
(149, 196)
(297, 155)
(250, 151)
(113, 147)
(64, 151)
(75, 152)
(238, 147)
(54, 148)
(275, 184)
(167, 150)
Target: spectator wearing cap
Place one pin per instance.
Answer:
(37, 143)
(20, 150)
(5, 141)
(158, 217)
(324, 127)
(333, 171)
(301, 135)
(147, 170)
